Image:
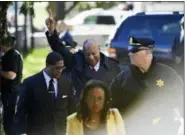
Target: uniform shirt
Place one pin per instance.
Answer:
(55, 83)
(12, 61)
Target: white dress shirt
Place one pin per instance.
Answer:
(55, 82)
(62, 34)
(97, 66)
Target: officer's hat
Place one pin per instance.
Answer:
(135, 43)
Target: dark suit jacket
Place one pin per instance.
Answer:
(36, 114)
(80, 70)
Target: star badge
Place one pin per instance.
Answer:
(156, 120)
(160, 83)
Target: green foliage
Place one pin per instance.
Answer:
(98, 4)
(27, 8)
(35, 61)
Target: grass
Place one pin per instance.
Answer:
(34, 62)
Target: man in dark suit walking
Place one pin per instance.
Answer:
(85, 64)
(45, 100)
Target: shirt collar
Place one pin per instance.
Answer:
(62, 34)
(48, 78)
(97, 66)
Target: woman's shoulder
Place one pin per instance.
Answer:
(113, 110)
(72, 116)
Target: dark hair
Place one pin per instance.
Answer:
(52, 58)
(82, 108)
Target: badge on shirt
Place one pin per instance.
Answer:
(160, 83)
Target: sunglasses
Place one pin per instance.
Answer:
(137, 50)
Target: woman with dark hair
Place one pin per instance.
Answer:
(94, 115)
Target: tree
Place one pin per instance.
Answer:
(26, 8)
(98, 4)
(63, 8)
(3, 20)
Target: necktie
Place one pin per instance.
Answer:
(93, 69)
(51, 90)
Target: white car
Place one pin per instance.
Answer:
(95, 23)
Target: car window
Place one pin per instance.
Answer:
(148, 26)
(90, 20)
(107, 20)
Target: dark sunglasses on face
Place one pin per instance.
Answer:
(137, 50)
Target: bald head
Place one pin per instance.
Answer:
(89, 43)
(61, 26)
(91, 52)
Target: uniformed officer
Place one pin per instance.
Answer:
(10, 74)
(148, 94)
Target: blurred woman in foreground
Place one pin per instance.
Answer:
(94, 115)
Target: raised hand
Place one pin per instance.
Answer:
(50, 22)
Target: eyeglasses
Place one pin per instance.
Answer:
(137, 50)
(59, 67)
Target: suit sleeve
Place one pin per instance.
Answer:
(115, 88)
(72, 106)
(22, 108)
(59, 47)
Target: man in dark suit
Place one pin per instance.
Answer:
(85, 64)
(65, 36)
(45, 100)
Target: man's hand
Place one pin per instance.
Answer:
(50, 22)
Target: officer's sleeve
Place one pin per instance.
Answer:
(115, 89)
(11, 64)
(57, 46)
(21, 109)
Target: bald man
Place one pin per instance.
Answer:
(85, 64)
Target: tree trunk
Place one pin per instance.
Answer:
(25, 34)
(3, 20)
(60, 12)
(16, 27)
(32, 32)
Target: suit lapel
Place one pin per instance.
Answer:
(43, 85)
(44, 90)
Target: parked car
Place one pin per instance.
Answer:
(162, 27)
(98, 23)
